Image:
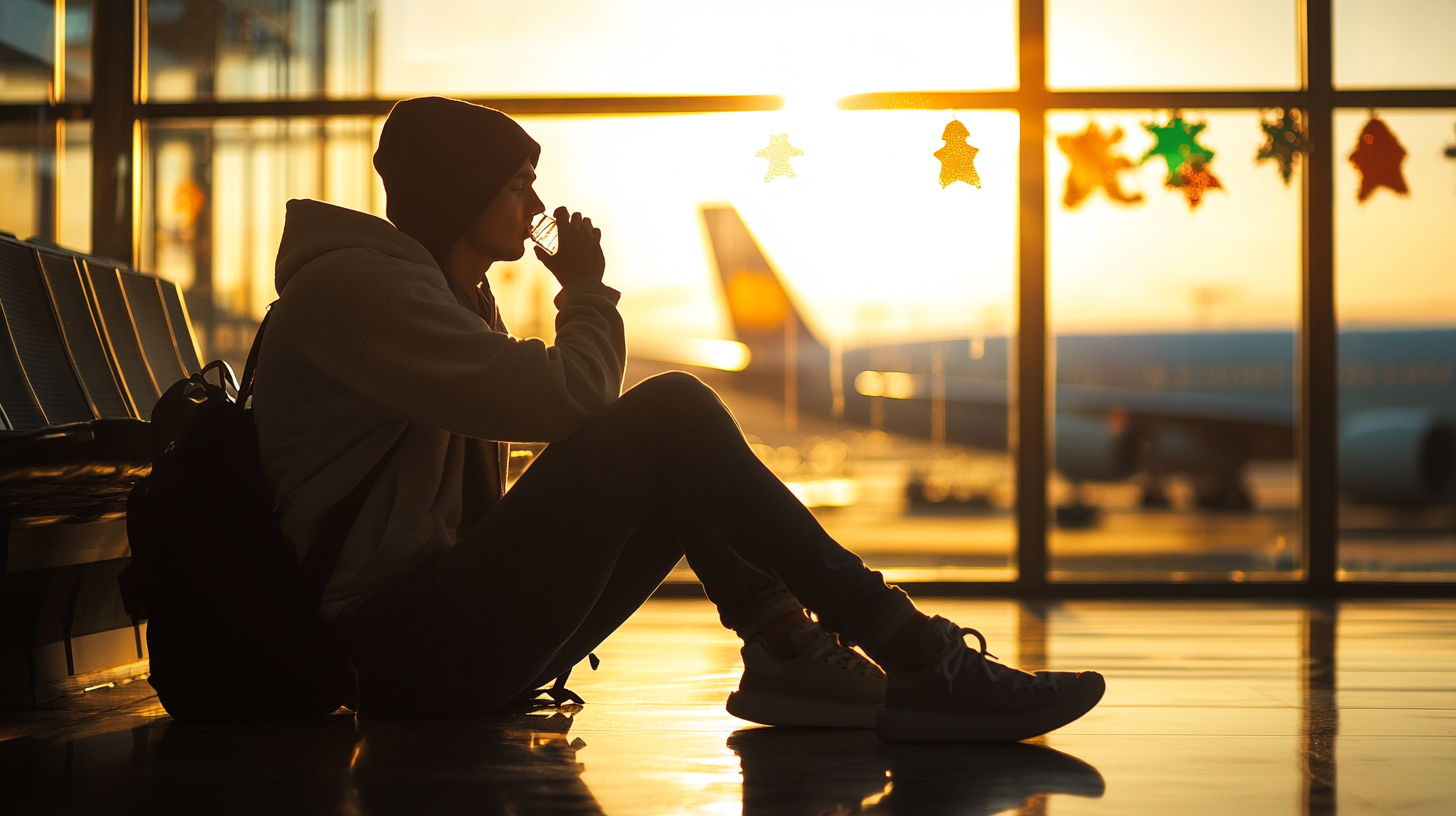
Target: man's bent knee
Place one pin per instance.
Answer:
(673, 385)
(678, 389)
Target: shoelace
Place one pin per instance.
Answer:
(557, 693)
(956, 652)
(827, 648)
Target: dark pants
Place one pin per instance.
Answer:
(582, 540)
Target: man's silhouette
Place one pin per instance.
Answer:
(452, 598)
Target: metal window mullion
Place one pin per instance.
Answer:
(114, 112)
(1031, 312)
(1318, 434)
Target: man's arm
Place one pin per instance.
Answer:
(432, 362)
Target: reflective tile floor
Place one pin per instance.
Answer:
(1217, 708)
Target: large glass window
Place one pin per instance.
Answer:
(45, 173)
(1174, 347)
(1394, 44)
(259, 49)
(209, 49)
(1136, 44)
(36, 65)
(214, 202)
(811, 48)
(1395, 202)
(865, 294)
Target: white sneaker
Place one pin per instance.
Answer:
(961, 695)
(826, 686)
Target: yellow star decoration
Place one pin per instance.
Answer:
(1095, 166)
(778, 153)
(957, 158)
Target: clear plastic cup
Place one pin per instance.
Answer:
(543, 232)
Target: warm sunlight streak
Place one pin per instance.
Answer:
(579, 47)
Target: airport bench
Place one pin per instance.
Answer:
(87, 346)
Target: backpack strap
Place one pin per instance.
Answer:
(321, 559)
(250, 368)
(319, 563)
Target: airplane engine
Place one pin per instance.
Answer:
(1398, 456)
(1094, 448)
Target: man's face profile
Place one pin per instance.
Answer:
(500, 232)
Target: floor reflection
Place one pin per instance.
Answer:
(797, 771)
(525, 765)
(1320, 724)
(1240, 707)
(519, 766)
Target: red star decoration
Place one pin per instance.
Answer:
(1378, 156)
(1195, 179)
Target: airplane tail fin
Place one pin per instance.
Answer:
(787, 359)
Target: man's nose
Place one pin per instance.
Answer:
(537, 206)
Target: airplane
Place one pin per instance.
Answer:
(1141, 406)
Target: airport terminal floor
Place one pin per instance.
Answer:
(1212, 707)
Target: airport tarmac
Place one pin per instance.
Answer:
(959, 523)
(1212, 708)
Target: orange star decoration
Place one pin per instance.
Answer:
(1094, 166)
(957, 158)
(1195, 179)
(1378, 156)
(778, 153)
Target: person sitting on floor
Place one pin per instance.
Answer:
(454, 597)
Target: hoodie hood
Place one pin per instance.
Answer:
(313, 228)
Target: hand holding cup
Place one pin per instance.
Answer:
(569, 246)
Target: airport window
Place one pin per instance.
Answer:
(1137, 44)
(45, 170)
(206, 50)
(1396, 302)
(214, 200)
(1394, 44)
(930, 383)
(45, 51)
(1174, 355)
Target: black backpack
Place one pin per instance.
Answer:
(233, 616)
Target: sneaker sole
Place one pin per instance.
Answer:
(923, 725)
(798, 712)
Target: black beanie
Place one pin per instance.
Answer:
(442, 162)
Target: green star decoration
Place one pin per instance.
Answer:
(778, 153)
(1177, 143)
(1284, 140)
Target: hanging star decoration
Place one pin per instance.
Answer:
(1177, 143)
(1095, 166)
(957, 158)
(1195, 181)
(778, 153)
(1378, 156)
(1284, 139)
(1188, 171)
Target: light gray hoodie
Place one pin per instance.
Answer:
(368, 344)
